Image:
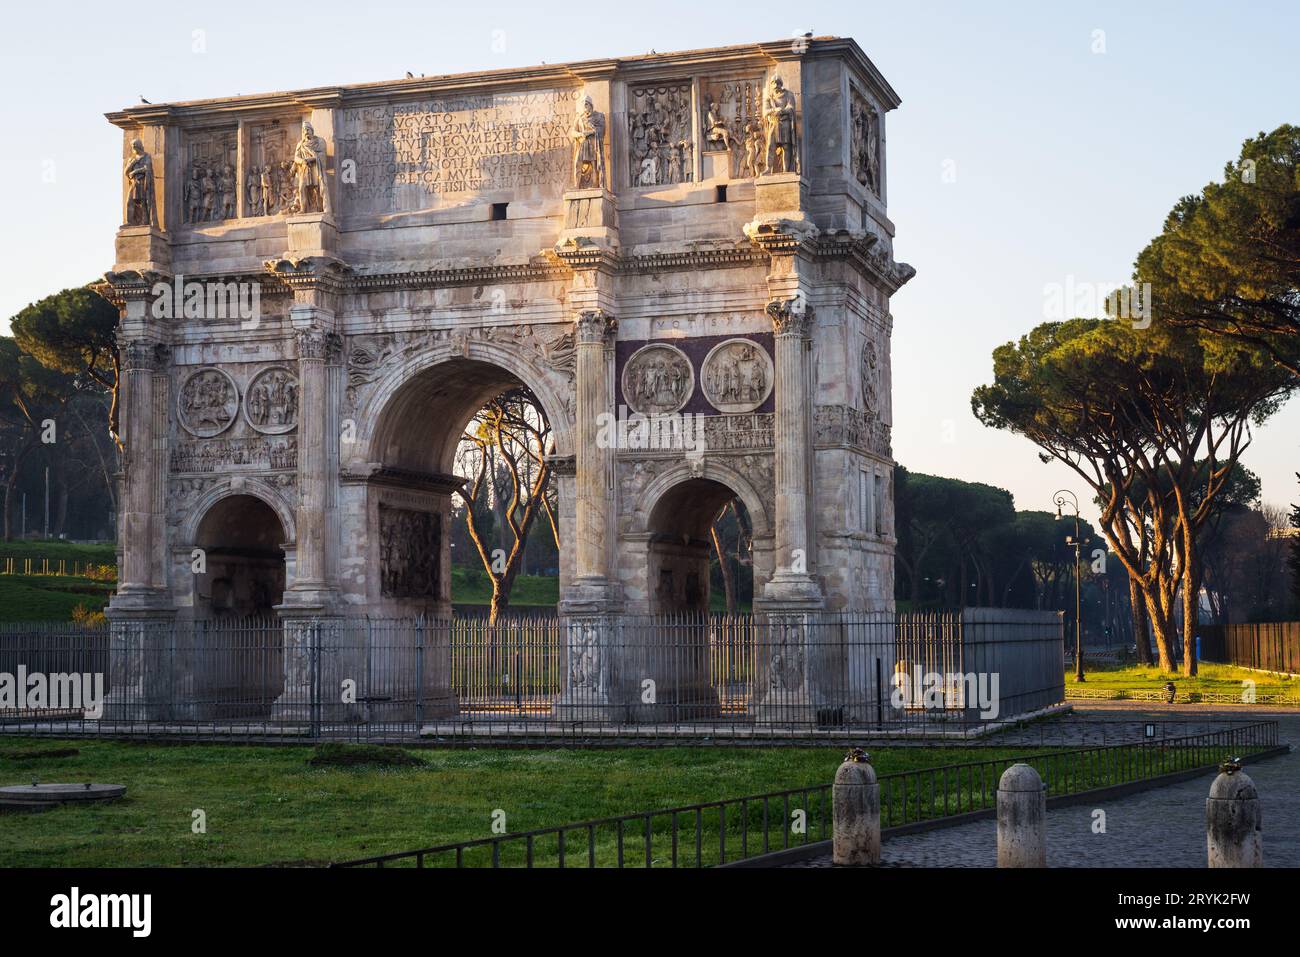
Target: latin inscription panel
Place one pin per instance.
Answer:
(434, 153)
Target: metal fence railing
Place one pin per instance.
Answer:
(371, 679)
(725, 831)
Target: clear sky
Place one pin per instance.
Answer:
(1022, 156)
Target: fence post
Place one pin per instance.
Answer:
(855, 814)
(419, 674)
(1022, 818)
(1233, 834)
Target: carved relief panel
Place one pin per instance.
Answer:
(660, 136)
(870, 374)
(211, 179)
(737, 376)
(271, 401)
(268, 180)
(731, 121)
(208, 402)
(864, 140)
(658, 378)
(410, 546)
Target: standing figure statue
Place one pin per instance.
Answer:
(139, 186)
(309, 172)
(588, 136)
(782, 133)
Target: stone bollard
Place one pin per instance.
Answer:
(855, 812)
(1022, 818)
(1233, 834)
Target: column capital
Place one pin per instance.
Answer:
(790, 317)
(316, 344)
(595, 325)
(142, 355)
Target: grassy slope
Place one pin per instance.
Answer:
(53, 550)
(266, 805)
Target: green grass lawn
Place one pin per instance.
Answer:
(267, 805)
(1212, 678)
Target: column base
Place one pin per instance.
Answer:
(791, 593)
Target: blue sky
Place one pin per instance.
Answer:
(1066, 159)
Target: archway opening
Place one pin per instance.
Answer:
(700, 550)
(243, 574)
(439, 452)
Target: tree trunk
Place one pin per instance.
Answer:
(1191, 609)
(1137, 605)
(728, 580)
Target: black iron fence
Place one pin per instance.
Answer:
(726, 831)
(734, 675)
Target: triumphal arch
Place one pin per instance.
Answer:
(319, 288)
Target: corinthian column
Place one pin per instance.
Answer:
(792, 581)
(138, 420)
(310, 571)
(594, 465)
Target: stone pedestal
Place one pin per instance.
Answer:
(312, 234)
(151, 669)
(589, 673)
(143, 248)
(590, 214)
(783, 194)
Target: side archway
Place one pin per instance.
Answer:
(675, 523)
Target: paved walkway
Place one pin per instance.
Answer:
(1163, 827)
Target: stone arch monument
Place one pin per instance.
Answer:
(319, 288)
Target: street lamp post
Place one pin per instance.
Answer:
(1061, 500)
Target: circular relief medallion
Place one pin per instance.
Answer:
(870, 378)
(271, 401)
(208, 402)
(658, 378)
(737, 376)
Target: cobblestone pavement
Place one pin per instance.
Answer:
(1163, 827)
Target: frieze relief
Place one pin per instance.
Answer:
(843, 426)
(262, 452)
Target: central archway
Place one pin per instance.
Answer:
(405, 465)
